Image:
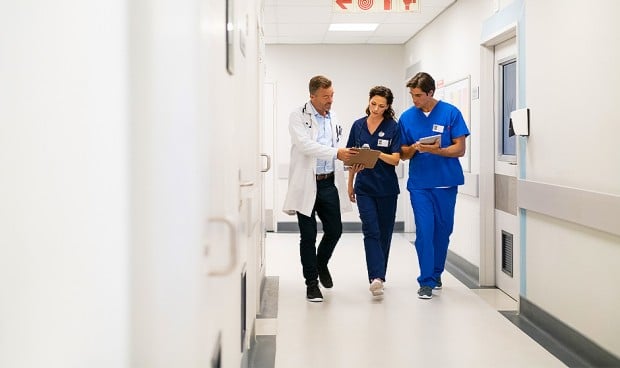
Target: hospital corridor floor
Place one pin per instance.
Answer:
(458, 327)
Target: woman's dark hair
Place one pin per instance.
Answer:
(423, 81)
(387, 94)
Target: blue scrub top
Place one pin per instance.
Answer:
(427, 170)
(381, 180)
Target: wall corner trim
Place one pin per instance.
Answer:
(600, 211)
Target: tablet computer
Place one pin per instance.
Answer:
(431, 139)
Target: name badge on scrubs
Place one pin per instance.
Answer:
(383, 142)
(437, 128)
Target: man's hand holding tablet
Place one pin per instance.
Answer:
(431, 139)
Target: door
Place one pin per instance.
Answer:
(231, 81)
(172, 299)
(506, 222)
(268, 144)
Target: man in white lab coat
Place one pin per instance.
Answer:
(316, 182)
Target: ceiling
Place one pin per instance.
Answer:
(307, 21)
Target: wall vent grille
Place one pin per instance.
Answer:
(507, 248)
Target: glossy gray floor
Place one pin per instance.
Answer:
(458, 327)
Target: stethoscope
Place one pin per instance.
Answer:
(308, 123)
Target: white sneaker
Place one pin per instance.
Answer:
(376, 287)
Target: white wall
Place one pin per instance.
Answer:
(353, 69)
(558, 84)
(63, 184)
(572, 83)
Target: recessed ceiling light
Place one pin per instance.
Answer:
(353, 27)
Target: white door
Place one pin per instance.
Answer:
(231, 112)
(170, 298)
(506, 223)
(268, 144)
(195, 162)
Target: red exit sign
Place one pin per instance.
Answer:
(344, 6)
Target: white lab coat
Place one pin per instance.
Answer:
(305, 150)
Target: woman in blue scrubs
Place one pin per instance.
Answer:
(376, 190)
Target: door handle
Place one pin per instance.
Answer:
(268, 162)
(232, 246)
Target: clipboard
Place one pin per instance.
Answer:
(367, 157)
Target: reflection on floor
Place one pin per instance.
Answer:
(458, 327)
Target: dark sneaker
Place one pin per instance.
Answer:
(425, 292)
(313, 293)
(325, 278)
(439, 285)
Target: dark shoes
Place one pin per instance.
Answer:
(313, 293)
(439, 285)
(325, 278)
(425, 292)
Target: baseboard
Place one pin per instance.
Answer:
(565, 343)
(561, 340)
(269, 298)
(463, 270)
(347, 227)
(248, 354)
(263, 351)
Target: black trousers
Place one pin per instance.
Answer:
(327, 207)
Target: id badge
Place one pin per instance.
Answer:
(437, 128)
(383, 142)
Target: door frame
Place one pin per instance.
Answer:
(488, 152)
(506, 213)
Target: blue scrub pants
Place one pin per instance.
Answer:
(377, 215)
(433, 210)
(327, 207)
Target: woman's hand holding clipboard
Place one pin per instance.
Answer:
(365, 156)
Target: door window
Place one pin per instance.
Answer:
(508, 104)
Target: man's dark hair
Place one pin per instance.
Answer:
(318, 82)
(423, 81)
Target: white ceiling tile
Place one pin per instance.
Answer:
(398, 29)
(270, 40)
(270, 13)
(359, 17)
(302, 40)
(306, 21)
(392, 40)
(307, 29)
(307, 14)
(270, 29)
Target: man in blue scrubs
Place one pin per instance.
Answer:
(434, 175)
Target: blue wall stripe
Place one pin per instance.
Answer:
(522, 145)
